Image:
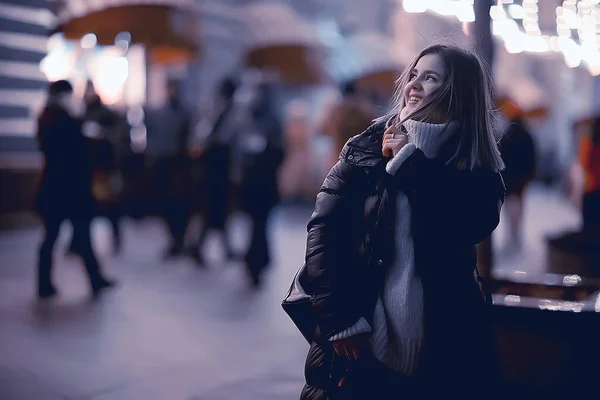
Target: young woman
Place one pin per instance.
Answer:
(391, 256)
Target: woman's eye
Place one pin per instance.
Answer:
(412, 76)
(431, 78)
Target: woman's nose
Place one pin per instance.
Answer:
(416, 84)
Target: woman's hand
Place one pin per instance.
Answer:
(393, 141)
(351, 347)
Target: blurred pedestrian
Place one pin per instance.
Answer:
(589, 156)
(393, 237)
(296, 181)
(168, 134)
(215, 165)
(101, 127)
(65, 191)
(353, 115)
(518, 152)
(262, 152)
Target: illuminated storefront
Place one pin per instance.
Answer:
(118, 72)
(114, 43)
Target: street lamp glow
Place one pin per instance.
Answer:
(89, 41)
(583, 17)
(465, 13)
(497, 13)
(414, 6)
(109, 74)
(516, 11)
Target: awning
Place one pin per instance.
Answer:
(362, 55)
(368, 60)
(168, 28)
(278, 39)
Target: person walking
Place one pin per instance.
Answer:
(518, 153)
(263, 151)
(65, 191)
(168, 135)
(215, 165)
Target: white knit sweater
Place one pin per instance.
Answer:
(397, 330)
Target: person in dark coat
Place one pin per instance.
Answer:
(65, 190)
(518, 152)
(262, 155)
(168, 134)
(215, 164)
(100, 122)
(398, 307)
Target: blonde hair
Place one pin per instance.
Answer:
(466, 95)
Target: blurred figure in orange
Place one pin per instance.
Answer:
(518, 152)
(352, 116)
(589, 156)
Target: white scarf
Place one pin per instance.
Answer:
(427, 137)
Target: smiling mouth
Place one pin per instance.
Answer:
(414, 99)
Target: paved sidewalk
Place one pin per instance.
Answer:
(547, 213)
(172, 331)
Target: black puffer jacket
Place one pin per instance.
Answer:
(348, 252)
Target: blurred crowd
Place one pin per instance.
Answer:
(242, 154)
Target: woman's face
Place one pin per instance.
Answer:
(426, 77)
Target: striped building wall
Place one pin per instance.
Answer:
(24, 27)
(23, 30)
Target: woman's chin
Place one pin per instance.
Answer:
(411, 106)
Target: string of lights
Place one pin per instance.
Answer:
(516, 23)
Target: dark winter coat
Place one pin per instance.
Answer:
(261, 162)
(65, 189)
(452, 211)
(103, 148)
(216, 168)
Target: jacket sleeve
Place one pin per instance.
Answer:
(361, 327)
(451, 207)
(328, 230)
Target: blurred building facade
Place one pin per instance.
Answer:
(313, 46)
(23, 37)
